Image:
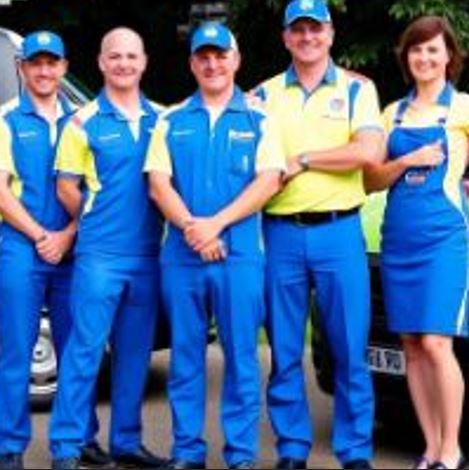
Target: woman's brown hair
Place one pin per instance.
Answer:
(424, 29)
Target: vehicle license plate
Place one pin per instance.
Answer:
(386, 361)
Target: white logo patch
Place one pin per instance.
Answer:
(306, 5)
(107, 138)
(240, 135)
(27, 134)
(183, 132)
(211, 32)
(44, 39)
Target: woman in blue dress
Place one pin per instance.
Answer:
(425, 231)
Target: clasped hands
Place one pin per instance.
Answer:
(203, 236)
(52, 246)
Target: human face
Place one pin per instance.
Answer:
(42, 75)
(428, 61)
(309, 42)
(122, 60)
(215, 69)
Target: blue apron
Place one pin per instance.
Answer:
(424, 250)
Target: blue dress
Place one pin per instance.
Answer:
(425, 236)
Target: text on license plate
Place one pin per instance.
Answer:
(386, 361)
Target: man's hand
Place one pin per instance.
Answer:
(199, 232)
(52, 246)
(294, 168)
(214, 251)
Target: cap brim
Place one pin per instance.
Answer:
(36, 52)
(222, 47)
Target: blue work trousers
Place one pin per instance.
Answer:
(27, 284)
(114, 299)
(233, 293)
(331, 258)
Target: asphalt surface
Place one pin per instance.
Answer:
(392, 448)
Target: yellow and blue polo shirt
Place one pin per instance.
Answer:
(99, 147)
(28, 145)
(344, 104)
(456, 126)
(211, 166)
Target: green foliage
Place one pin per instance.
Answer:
(366, 34)
(456, 11)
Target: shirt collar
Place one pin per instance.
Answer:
(237, 102)
(444, 98)
(107, 107)
(329, 78)
(27, 106)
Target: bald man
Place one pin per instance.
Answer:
(115, 284)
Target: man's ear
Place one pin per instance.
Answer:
(238, 59)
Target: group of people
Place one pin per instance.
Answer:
(232, 206)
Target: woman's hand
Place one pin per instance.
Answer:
(431, 155)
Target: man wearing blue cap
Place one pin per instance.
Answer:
(36, 234)
(213, 162)
(329, 121)
(114, 293)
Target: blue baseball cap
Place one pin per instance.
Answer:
(42, 42)
(315, 10)
(213, 34)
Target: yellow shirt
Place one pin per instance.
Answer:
(6, 157)
(343, 105)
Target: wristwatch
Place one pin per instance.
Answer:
(303, 160)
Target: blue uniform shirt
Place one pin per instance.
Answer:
(211, 165)
(28, 148)
(99, 146)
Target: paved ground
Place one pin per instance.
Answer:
(157, 423)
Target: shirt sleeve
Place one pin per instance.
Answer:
(462, 111)
(73, 151)
(366, 110)
(158, 157)
(270, 155)
(6, 154)
(388, 116)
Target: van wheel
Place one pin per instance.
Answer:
(43, 382)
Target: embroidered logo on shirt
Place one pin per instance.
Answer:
(27, 134)
(240, 135)
(109, 137)
(337, 104)
(183, 132)
(336, 110)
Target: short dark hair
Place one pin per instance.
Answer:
(424, 29)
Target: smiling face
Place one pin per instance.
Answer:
(122, 60)
(309, 42)
(42, 74)
(215, 69)
(429, 60)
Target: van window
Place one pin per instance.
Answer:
(8, 77)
